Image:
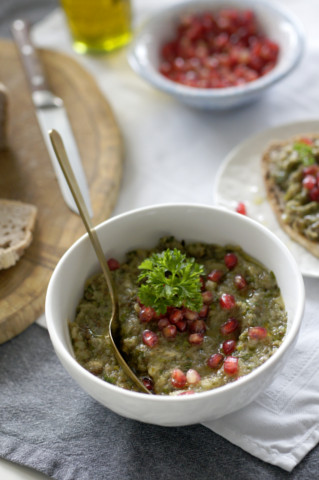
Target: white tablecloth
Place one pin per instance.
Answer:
(172, 155)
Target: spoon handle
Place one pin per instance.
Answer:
(61, 155)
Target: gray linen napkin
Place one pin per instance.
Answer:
(47, 422)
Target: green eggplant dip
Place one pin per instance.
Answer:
(294, 169)
(240, 322)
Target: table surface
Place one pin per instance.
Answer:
(35, 10)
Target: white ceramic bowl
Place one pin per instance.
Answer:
(143, 228)
(278, 24)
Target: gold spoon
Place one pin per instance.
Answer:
(61, 155)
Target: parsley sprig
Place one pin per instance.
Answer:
(170, 279)
(305, 153)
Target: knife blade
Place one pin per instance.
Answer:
(51, 114)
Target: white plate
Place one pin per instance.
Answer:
(240, 180)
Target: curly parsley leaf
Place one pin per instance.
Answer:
(305, 153)
(170, 279)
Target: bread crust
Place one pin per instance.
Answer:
(17, 221)
(276, 197)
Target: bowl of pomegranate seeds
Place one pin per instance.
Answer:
(216, 55)
(210, 303)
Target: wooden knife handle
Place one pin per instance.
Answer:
(29, 57)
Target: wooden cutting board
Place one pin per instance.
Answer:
(26, 174)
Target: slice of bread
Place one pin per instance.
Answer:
(17, 220)
(275, 195)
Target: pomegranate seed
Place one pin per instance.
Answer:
(146, 314)
(169, 331)
(169, 310)
(163, 322)
(257, 333)
(230, 260)
(175, 316)
(113, 264)
(215, 361)
(207, 297)
(229, 327)
(150, 338)
(189, 314)
(227, 301)
(306, 140)
(148, 383)
(241, 208)
(229, 346)
(314, 194)
(196, 338)
(309, 182)
(215, 275)
(198, 326)
(187, 392)
(181, 325)
(203, 311)
(310, 170)
(192, 376)
(240, 282)
(202, 283)
(231, 365)
(178, 378)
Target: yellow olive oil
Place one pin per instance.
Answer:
(98, 25)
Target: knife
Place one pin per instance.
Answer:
(51, 115)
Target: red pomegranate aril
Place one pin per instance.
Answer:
(306, 141)
(309, 182)
(189, 314)
(231, 365)
(192, 377)
(207, 297)
(175, 316)
(227, 301)
(314, 194)
(163, 322)
(240, 282)
(215, 361)
(241, 208)
(202, 283)
(310, 170)
(196, 338)
(203, 311)
(229, 327)
(169, 331)
(148, 383)
(150, 339)
(146, 314)
(178, 378)
(198, 326)
(229, 346)
(181, 325)
(187, 392)
(113, 264)
(257, 333)
(230, 260)
(215, 275)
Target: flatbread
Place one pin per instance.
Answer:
(17, 220)
(275, 194)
